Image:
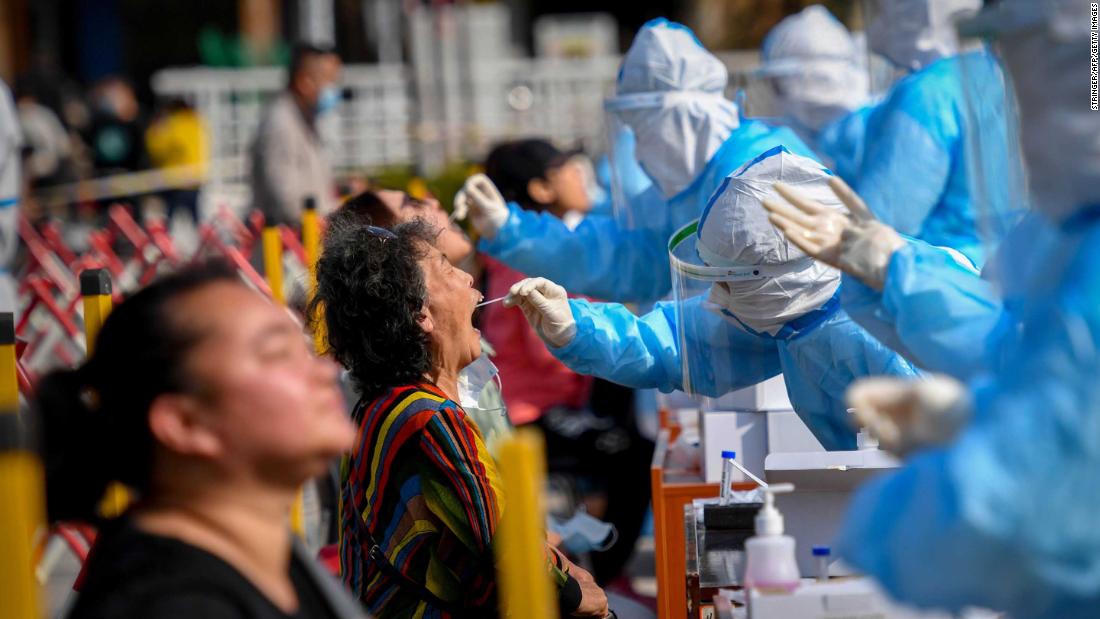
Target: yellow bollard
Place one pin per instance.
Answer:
(273, 271)
(95, 287)
(21, 488)
(521, 537)
(273, 263)
(311, 232)
(311, 241)
(9, 389)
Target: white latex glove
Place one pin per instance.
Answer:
(856, 243)
(546, 306)
(906, 415)
(482, 200)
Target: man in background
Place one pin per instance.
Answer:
(289, 164)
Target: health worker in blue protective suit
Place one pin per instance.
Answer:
(916, 138)
(1002, 512)
(818, 75)
(749, 306)
(670, 118)
(939, 312)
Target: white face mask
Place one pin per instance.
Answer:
(822, 92)
(766, 305)
(473, 379)
(675, 138)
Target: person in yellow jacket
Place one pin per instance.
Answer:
(178, 144)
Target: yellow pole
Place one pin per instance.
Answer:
(521, 538)
(311, 232)
(273, 271)
(95, 287)
(311, 241)
(21, 486)
(273, 263)
(9, 389)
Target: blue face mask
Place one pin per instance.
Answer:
(328, 99)
(584, 533)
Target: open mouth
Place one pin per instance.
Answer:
(478, 297)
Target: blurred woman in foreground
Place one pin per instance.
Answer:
(204, 399)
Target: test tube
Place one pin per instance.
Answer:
(821, 561)
(728, 458)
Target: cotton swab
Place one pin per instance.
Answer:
(759, 482)
(496, 300)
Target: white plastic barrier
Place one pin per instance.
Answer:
(371, 129)
(381, 123)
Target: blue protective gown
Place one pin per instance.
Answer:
(603, 259)
(937, 311)
(818, 361)
(1005, 517)
(913, 173)
(840, 143)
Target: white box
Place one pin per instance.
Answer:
(745, 432)
(852, 598)
(737, 421)
(787, 433)
(767, 395)
(824, 482)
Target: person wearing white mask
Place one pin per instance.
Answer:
(916, 138)
(670, 118)
(750, 305)
(818, 75)
(996, 503)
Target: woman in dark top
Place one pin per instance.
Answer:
(204, 400)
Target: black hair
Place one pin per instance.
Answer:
(365, 208)
(512, 185)
(371, 293)
(94, 418)
(300, 53)
(513, 165)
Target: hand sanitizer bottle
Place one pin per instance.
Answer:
(770, 563)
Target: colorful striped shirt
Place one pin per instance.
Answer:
(429, 493)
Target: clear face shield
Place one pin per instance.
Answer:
(658, 142)
(635, 198)
(711, 341)
(884, 28)
(1043, 49)
(995, 172)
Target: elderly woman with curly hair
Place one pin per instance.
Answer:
(421, 496)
